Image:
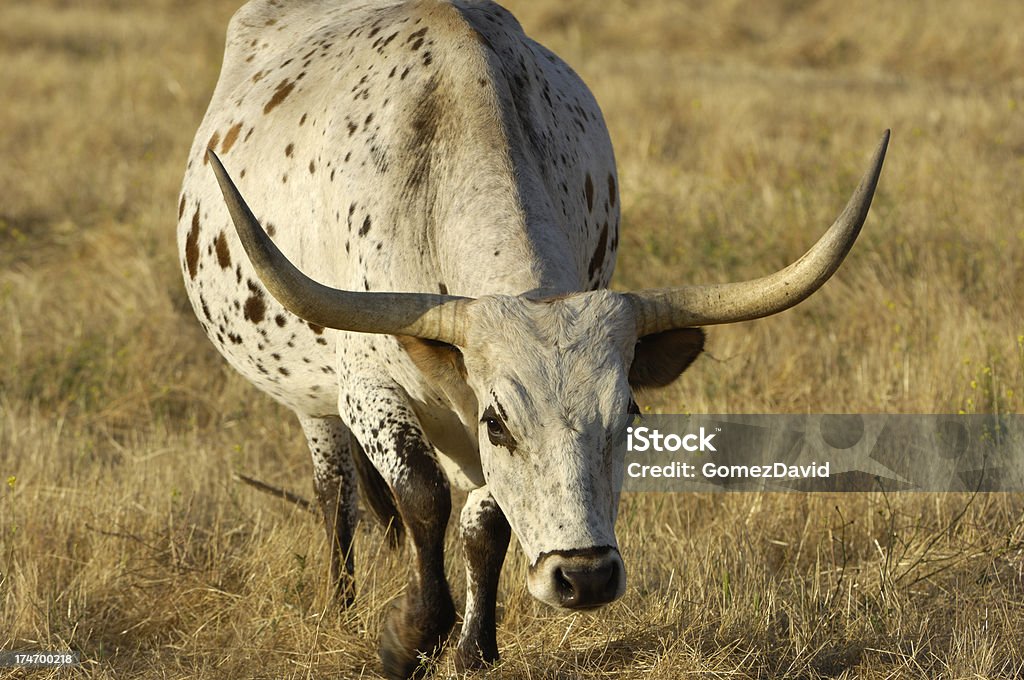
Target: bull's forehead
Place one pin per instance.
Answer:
(562, 321)
(565, 357)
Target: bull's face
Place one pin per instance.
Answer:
(553, 393)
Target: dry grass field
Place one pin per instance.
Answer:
(741, 127)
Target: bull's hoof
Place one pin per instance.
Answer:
(413, 635)
(471, 657)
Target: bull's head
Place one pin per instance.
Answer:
(551, 380)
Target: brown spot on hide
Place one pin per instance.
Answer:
(230, 138)
(319, 330)
(588, 189)
(212, 144)
(192, 246)
(284, 88)
(255, 308)
(288, 150)
(181, 206)
(223, 254)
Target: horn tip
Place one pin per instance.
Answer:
(878, 158)
(884, 143)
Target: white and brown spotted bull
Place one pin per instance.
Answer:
(427, 293)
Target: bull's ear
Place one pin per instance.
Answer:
(660, 358)
(438, 360)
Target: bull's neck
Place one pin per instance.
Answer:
(491, 226)
(509, 252)
(497, 230)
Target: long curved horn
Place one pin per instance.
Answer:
(424, 315)
(661, 309)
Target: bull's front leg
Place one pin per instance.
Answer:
(485, 536)
(381, 419)
(334, 480)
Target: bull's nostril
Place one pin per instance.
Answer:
(586, 586)
(566, 591)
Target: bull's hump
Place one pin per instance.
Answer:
(382, 123)
(265, 30)
(332, 75)
(364, 112)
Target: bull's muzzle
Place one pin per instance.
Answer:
(578, 579)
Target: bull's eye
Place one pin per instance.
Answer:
(496, 430)
(634, 413)
(634, 418)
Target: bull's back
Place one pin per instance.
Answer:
(385, 147)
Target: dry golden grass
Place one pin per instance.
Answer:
(740, 128)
